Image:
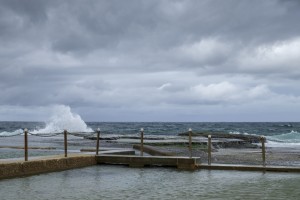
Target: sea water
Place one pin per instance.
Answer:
(276, 132)
(63, 118)
(118, 182)
(279, 134)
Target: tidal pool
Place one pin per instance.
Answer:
(121, 182)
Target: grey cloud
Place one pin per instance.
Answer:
(34, 10)
(147, 56)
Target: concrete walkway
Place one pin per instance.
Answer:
(248, 168)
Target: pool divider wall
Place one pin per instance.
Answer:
(12, 169)
(152, 151)
(32, 167)
(186, 163)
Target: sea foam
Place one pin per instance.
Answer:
(64, 119)
(14, 133)
(291, 137)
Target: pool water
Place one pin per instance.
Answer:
(121, 182)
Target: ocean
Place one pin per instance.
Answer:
(277, 133)
(284, 136)
(120, 182)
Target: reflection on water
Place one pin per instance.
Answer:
(118, 182)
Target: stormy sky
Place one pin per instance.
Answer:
(141, 60)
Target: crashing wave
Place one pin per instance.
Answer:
(64, 119)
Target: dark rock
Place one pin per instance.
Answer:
(246, 138)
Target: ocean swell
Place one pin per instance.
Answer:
(292, 137)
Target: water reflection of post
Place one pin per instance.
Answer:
(98, 137)
(263, 149)
(66, 144)
(142, 141)
(26, 144)
(209, 149)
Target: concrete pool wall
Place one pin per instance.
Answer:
(11, 169)
(16, 168)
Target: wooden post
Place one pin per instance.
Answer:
(263, 149)
(190, 142)
(26, 144)
(98, 137)
(66, 143)
(142, 142)
(209, 150)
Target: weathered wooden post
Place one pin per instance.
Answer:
(66, 143)
(98, 137)
(26, 144)
(142, 141)
(190, 142)
(263, 149)
(209, 150)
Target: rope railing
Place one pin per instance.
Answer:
(26, 133)
(2, 135)
(77, 134)
(45, 134)
(82, 134)
(65, 133)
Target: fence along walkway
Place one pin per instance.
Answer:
(65, 133)
(81, 134)
(140, 161)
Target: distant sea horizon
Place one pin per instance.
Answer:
(278, 133)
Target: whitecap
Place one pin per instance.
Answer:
(64, 119)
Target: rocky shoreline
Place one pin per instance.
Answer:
(219, 140)
(246, 138)
(226, 150)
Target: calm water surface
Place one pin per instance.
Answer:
(120, 182)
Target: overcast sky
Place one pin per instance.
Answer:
(135, 60)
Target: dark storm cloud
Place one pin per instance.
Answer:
(149, 55)
(29, 9)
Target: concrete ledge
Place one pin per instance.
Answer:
(140, 161)
(119, 152)
(186, 166)
(152, 151)
(15, 168)
(115, 151)
(47, 164)
(249, 168)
